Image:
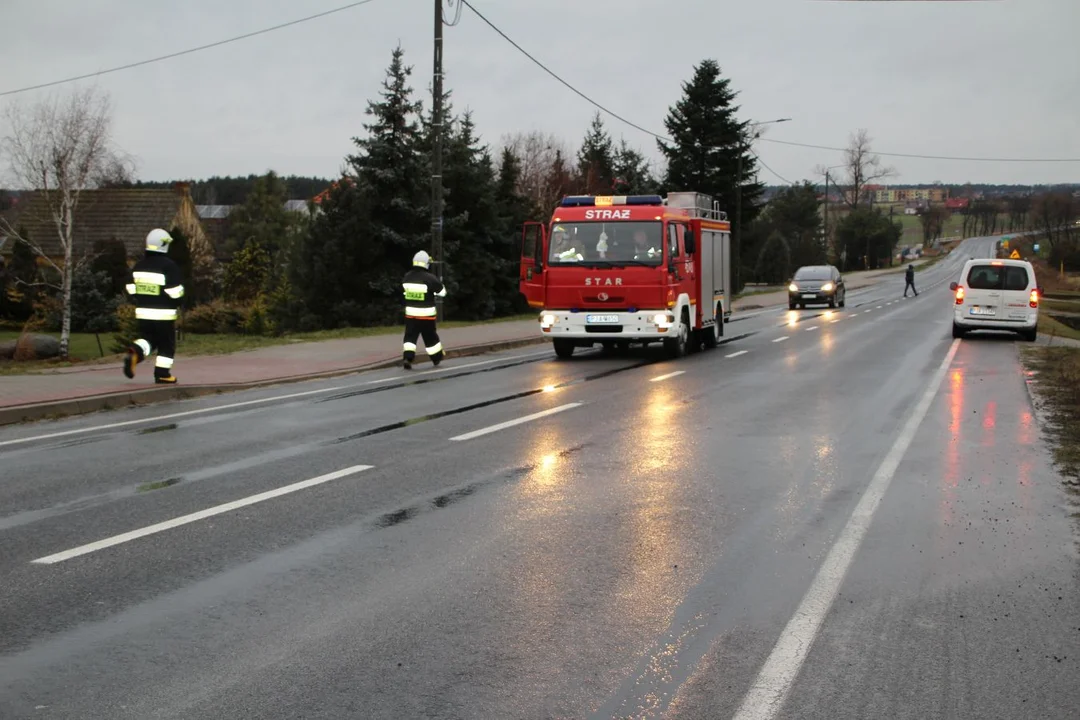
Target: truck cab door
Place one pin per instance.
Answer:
(531, 281)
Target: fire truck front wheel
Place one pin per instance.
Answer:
(564, 348)
(677, 346)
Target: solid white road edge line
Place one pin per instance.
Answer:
(512, 423)
(766, 697)
(668, 376)
(246, 403)
(737, 354)
(196, 516)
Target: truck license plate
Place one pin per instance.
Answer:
(602, 318)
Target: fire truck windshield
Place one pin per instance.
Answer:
(602, 244)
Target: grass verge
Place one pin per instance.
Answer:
(84, 346)
(1049, 326)
(1056, 384)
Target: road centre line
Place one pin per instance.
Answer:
(780, 339)
(245, 403)
(812, 327)
(200, 515)
(737, 354)
(516, 421)
(666, 377)
(766, 696)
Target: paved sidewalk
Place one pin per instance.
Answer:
(214, 373)
(96, 386)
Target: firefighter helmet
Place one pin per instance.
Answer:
(158, 241)
(421, 259)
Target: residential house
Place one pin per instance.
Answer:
(123, 214)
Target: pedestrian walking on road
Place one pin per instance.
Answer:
(156, 288)
(420, 288)
(909, 280)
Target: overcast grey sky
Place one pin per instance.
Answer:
(978, 79)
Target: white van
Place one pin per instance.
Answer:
(996, 295)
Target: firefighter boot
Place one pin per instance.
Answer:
(437, 358)
(133, 357)
(164, 376)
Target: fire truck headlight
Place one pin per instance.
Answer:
(547, 320)
(663, 320)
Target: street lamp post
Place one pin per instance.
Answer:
(743, 145)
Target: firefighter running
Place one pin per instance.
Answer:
(420, 288)
(156, 288)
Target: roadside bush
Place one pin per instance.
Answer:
(127, 329)
(213, 317)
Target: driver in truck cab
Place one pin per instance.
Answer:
(561, 248)
(642, 249)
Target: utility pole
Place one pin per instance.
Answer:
(437, 153)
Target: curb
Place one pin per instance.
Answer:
(57, 409)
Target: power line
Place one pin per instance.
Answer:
(189, 51)
(543, 67)
(782, 142)
(927, 157)
(758, 158)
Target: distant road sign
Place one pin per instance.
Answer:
(1015, 255)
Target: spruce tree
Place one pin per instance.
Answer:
(708, 141)
(596, 159)
(391, 175)
(632, 173)
(514, 211)
(261, 218)
(329, 265)
(472, 231)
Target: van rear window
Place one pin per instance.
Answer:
(997, 277)
(1016, 278)
(985, 277)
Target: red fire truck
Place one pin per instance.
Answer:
(617, 270)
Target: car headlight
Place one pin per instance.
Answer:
(827, 287)
(793, 287)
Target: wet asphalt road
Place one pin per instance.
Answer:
(688, 546)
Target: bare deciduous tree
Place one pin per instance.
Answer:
(933, 223)
(863, 168)
(537, 154)
(59, 147)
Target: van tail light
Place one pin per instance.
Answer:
(960, 295)
(1033, 301)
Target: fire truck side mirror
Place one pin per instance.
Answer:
(688, 241)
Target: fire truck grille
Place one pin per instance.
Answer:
(603, 328)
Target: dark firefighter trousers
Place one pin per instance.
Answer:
(414, 329)
(158, 336)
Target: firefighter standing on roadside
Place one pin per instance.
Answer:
(420, 288)
(156, 288)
